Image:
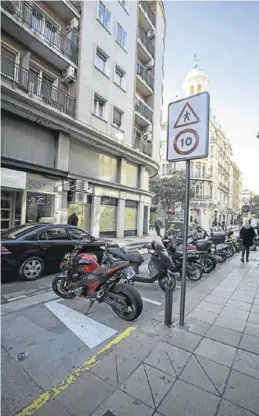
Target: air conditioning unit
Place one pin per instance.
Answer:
(151, 34)
(80, 198)
(148, 129)
(73, 24)
(69, 74)
(80, 185)
(148, 137)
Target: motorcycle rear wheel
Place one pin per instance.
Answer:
(133, 300)
(220, 257)
(60, 280)
(208, 264)
(194, 272)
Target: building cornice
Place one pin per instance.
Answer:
(28, 108)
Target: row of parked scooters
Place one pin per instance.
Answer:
(107, 273)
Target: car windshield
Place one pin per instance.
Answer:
(16, 232)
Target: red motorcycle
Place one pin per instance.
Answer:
(81, 275)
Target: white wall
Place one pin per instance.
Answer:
(159, 59)
(91, 79)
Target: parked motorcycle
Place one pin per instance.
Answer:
(162, 270)
(193, 270)
(82, 276)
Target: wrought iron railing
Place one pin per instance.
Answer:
(76, 4)
(30, 16)
(143, 73)
(146, 41)
(152, 17)
(143, 109)
(225, 187)
(142, 145)
(34, 85)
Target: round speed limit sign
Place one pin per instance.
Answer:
(186, 141)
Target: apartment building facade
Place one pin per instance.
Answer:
(76, 85)
(216, 194)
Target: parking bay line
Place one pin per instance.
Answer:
(151, 301)
(91, 332)
(72, 377)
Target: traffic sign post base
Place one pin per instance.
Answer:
(185, 243)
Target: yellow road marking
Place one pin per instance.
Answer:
(64, 384)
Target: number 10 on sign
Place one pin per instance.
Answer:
(188, 128)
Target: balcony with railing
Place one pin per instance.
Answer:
(144, 82)
(31, 27)
(141, 144)
(36, 87)
(66, 9)
(222, 167)
(143, 113)
(201, 176)
(223, 186)
(146, 49)
(146, 16)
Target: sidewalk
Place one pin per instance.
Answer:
(135, 242)
(209, 368)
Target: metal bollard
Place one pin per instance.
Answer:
(168, 303)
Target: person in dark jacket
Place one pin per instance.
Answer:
(73, 219)
(247, 234)
(158, 225)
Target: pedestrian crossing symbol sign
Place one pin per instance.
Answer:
(186, 117)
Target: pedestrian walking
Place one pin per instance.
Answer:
(73, 219)
(247, 235)
(158, 225)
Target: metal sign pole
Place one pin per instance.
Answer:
(185, 242)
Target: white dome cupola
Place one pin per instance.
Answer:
(196, 80)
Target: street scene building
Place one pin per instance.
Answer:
(217, 180)
(82, 86)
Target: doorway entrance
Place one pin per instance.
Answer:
(11, 204)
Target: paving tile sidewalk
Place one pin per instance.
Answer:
(208, 368)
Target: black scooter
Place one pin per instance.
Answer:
(162, 270)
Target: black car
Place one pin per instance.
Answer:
(29, 249)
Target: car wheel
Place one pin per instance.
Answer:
(32, 268)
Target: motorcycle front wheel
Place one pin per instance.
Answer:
(164, 280)
(133, 300)
(59, 286)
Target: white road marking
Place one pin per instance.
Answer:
(151, 301)
(20, 304)
(91, 332)
(16, 298)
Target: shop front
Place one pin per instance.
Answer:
(130, 218)
(13, 184)
(28, 198)
(83, 212)
(42, 200)
(108, 217)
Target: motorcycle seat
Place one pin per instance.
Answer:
(101, 273)
(132, 256)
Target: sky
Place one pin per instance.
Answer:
(225, 37)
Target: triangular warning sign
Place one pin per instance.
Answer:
(186, 117)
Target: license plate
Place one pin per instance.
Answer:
(129, 272)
